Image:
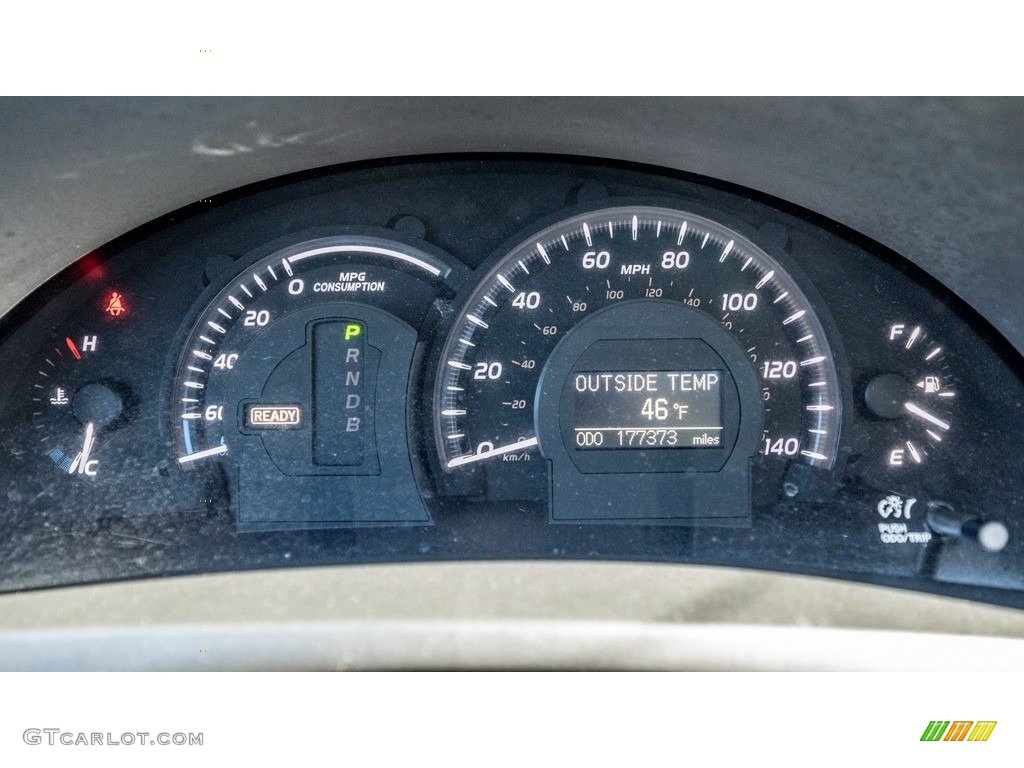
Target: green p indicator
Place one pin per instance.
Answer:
(339, 399)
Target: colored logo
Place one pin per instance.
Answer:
(958, 730)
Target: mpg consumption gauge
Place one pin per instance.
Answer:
(294, 378)
(658, 363)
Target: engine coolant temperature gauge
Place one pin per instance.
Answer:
(915, 392)
(74, 405)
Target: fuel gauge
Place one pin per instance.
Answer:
(916, 393)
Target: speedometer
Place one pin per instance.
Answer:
(660, 364)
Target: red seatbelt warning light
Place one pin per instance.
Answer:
(115, 305)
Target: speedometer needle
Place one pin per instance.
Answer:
(461, 460)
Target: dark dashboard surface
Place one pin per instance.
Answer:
(913, 489)
(940, 181)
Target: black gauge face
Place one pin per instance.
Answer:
(912, 398)
(71, 399)
(80, 408)
(637, 341)
(294, 381)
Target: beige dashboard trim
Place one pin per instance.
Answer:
(512, 615)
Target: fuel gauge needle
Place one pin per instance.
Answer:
(82, 459)
(921, 413)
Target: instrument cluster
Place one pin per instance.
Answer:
(506, 357)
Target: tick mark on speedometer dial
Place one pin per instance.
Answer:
(558, 280)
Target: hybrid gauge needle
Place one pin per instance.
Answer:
(82, 465)
(459, 461)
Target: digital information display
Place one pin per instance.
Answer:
(647, 409)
